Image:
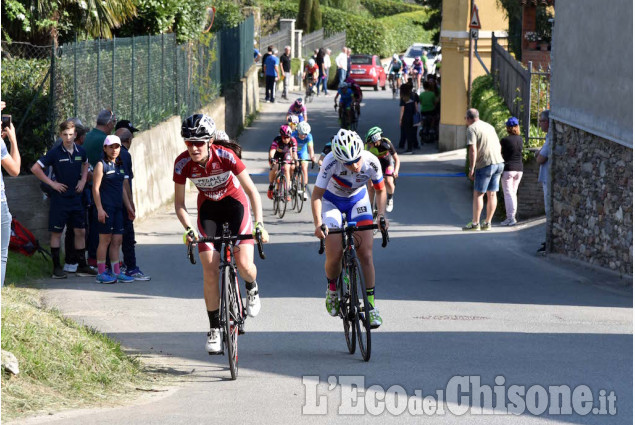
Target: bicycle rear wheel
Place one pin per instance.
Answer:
(346, 312)
(281, 192)
(275, 197)
(362, 307)
(231, 315)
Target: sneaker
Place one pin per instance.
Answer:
(86, 271)
(305, 196)
(214, 338)
(122, 267)
(106, 277)
(505, 222)
(332, 302)
(58, 273)
(70, 268)
(472, 226)
(375, 318)
(122, 277)
(389, 205)
(486, 226)
(270, 193)
(512, 222)
(137, 274)
(253, 302)
(543, 248)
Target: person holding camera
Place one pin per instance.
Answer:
(11, 162)
(70, 165)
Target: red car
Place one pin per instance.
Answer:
(366, 70)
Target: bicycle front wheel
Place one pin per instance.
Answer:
(293, 191)
(231, 314)
(299, 193)
(347, 311)
(362, 307)
(282, 196)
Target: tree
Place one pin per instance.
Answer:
(434, 21)
(316, 16)
(49, 20)
(304, 16)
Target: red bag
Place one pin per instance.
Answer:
(23, 241)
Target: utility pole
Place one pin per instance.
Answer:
(475, 25)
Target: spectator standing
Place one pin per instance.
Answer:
(109, 196)
(327, 67)
(341, 61)
(408, 108)
(512, 151)
(264, 58)
(319, 61)
(272, 72)
(125, 134)
(485, 168)
(348, 61)
(257, 54)
(70, 166)
(285, 62)
(11, 162)
(428, 101)
(405, 92)
(93, 144)
(544, 175)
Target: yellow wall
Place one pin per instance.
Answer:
(454, 72)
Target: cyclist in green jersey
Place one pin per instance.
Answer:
(383, 149)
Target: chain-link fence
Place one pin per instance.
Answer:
(143, 79)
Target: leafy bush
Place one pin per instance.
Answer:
(490, 105)
(384, 8)
(20, 81)
(404, 29)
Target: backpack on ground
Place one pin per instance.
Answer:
(23, 241)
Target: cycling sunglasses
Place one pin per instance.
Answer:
(198, 144)
(353, 162)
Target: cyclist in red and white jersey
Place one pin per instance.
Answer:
(225, 194)
(283, 147)
(341, 188)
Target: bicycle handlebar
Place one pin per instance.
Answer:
(381, 226)
(223, 239)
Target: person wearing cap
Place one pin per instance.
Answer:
(127, 125)
(70, 165)
(128, 241)
(109, 196)
(485, 168)
(512, 151)
(93, 144)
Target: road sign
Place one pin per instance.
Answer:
(473, 34)
(475, 21)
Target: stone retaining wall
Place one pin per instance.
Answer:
(592, 196)
(531, 202)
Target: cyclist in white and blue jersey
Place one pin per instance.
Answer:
(341, 188)
(305, 152)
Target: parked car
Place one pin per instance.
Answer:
(431, 52)
(366, 70)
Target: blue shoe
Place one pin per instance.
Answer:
(137, 274)
(105, 277)
(122, 277)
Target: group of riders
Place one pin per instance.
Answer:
(356, 178)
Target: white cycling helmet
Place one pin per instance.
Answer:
(395, 57)
(304, 128)
(347, 146)
(293, 119)
(311, 62)
(221, 135)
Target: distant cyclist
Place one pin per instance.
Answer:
(325, 151)
(298, 109)
(304, 140)
(345, 95)
(358, 95)
(417, 71)
(341, 188)
(310, 75)
(293, 121)
(226, 194)
(384, 150)
(283, 147)
(395, 69)
(404, 70)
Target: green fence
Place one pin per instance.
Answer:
(237, 50)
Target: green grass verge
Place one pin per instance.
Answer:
(62, 364)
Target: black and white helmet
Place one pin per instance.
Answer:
(198, 128)
(347, 146)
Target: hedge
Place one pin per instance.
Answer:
(491, 107)
(383, 8)
(404, 29)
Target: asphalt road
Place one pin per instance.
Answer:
(454, 304)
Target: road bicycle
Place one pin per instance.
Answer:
(392, 77)
(296, 191)
(232, 308)
(351, 287)
(281, 189)
(348, 117)
(309, 85)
